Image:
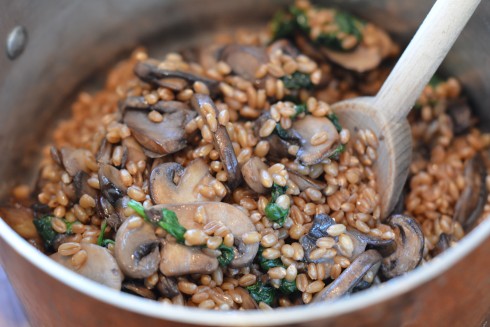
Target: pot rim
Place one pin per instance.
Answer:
(280, 316)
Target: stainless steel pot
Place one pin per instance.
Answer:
(66, 42)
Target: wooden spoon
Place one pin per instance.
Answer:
(385, 114)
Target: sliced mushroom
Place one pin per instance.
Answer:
(304, 182)
(222, 142)
(100, 265)
(104, 154)
(321, 222)
(472, 200)
(244, 60)
(350, 277)
(442, 245)
(164, 188)
(285, 47)
(75, 160)
(364, 57)
(165, 137)
(80, 183)
(149, 72)
(106, 210)
(251, 171)
(138, 289)
(178, 260)
(20, 219)
(461, 117)
(278, 146)
(209, 55)
(167, 286)
(248, 303)
(360, 60)
(307, 127)
(409, 247)
(135, 151)
(111, 184)
(364, 241)
(161, 106)
(136, 249)
(233, 218)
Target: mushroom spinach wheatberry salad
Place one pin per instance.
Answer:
(218, 177)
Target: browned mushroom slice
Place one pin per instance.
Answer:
(222, 142)
(350, 277)
(80, 183)
(100, 265)
(442, 245)
(251, 171)
(208, 56)
(178, 260)
(135, 151)
(152, 74)
(304, 182)
(105, 210)
(409, 247)
(161, 106)
(308, 127)
(167, 286)
(360, 60)
(111, 184)
(364, 57)
(248, 303)
(278, 146)
(136, 249)
(474, 196)
(362, 241)
(236, 221)
(75, 160)
(138, 289)
(164, 188)
(165, 137)
(321, 222)
(285, 47)
(20, 219)
(104, 153)
(244, 60)
(460, 112)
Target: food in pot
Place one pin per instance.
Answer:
(220, 178)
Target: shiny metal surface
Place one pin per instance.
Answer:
(70, 40)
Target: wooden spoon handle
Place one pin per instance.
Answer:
(422, 57)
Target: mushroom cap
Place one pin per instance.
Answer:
(100, 266)
(409, 246)
(178, 260)
(309, 154)
(230, 216)
(163, 189)
(136, 249)
(251, 172)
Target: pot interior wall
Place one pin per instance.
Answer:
(70, 42)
